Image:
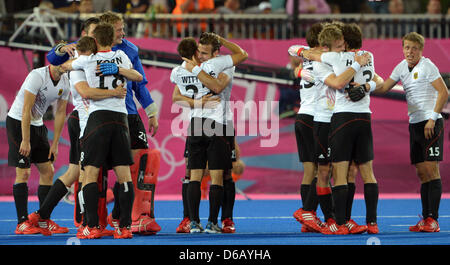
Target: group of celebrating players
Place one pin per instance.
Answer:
(103, 72)
(333, 127)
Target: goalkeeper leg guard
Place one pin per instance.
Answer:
(144, 173)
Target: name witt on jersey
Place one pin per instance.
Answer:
(349, 62)
(189, 79)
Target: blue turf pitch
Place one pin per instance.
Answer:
(258, 222)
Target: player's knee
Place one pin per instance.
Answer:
(71, 175)
(426, 171)
(46, 173)
(22, 175)
(90, 174)
(323, 175)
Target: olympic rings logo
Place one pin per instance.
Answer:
(167, 156)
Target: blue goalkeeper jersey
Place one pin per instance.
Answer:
(139, 89)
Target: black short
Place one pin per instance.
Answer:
(106, 140)
(73, 126)
(322, 148)
(210, 146)
(351, 137)
(38, 142)
(229, 139)
(186, 150)
(422, 149)
(305, 137)
(138, 135)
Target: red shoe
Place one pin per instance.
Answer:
(372, 228)
(228, 226)
(332, 228)
(418, 227)
(307, 218)
(355, 228)
(49, 227)
(306, 229)
(26, 228)
(114, 223)
(319, 222)
(145, 225)
(184, 226)
(123, 233)
(90, 233)
(80, 231)
(341, 230)
(106, 232)
(431, 225)
(46, 226)
(297, 214)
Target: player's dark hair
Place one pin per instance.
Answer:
(104, 34)
(87, 44)
(86, 25)
(352, 36)
(187, 47)
(208, 38)
(313, 34)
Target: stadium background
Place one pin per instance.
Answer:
(271, 170)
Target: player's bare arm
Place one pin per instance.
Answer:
(25, 146)
(216, 85)
(67, 66)
(312, 54)
(88, 92)
(237, 53)
(441, 100)
(387, 85)
(111, 68)
(208, 100)
(60, 118)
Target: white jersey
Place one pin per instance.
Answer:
(190, 86)
(420, 94)
(40, 84)
(222, 112)
(341, 62)
(81, 105)
(89, 65)
(307, 92)
(325, 96)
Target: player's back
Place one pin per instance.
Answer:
(89, 65)
(340, 63)
(221, 64)
(307, 92)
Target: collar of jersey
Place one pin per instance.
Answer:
(105, 51)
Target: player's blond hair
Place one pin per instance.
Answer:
(329, 34)
(110, 17)
(414, 37)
